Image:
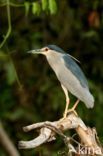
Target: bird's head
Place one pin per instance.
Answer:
(47, 50)
(51, 50)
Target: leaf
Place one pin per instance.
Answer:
(36, 9)
(27, 7)
(15, 115)
(52, 6)
(44, 5)
(90, 33)
(10, 72)
(3, 56)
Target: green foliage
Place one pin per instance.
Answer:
(90, 33)
(3, 56)
(52, 6)
(7, 101)
(27, 7)
(36, 8)
(10, 71)
(44, 5)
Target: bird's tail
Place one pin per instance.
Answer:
(89, 101)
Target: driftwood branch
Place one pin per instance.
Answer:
(88, 139)
(7, 143)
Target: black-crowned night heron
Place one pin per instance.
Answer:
(69, 74)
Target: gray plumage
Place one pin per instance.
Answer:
(70, 75)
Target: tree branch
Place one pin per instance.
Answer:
(48, 131)
(7, 143)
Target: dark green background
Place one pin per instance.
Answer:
(77, 27)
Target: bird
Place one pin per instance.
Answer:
(70, 75)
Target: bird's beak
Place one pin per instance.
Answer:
(36, 51)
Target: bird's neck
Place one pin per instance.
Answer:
(54, 61)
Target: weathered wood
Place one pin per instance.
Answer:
(48, 131)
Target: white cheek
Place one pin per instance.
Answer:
(46, 53)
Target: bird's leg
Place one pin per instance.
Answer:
(74, 107)
(67, 101)
(76, 104)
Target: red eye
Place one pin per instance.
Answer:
(46, 49)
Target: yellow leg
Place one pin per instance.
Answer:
(74, 107)
(67, 101)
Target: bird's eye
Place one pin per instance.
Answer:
(46, 49)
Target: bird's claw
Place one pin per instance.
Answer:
(67, 112)
(72, 110)
(64, 116)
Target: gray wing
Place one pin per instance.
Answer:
(75, 69)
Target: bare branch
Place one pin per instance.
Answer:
(48, 131)
(43, 137)
(7, 143)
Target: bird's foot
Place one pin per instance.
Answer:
(64, 116)
(72, 110)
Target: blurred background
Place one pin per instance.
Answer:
(29, 89)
